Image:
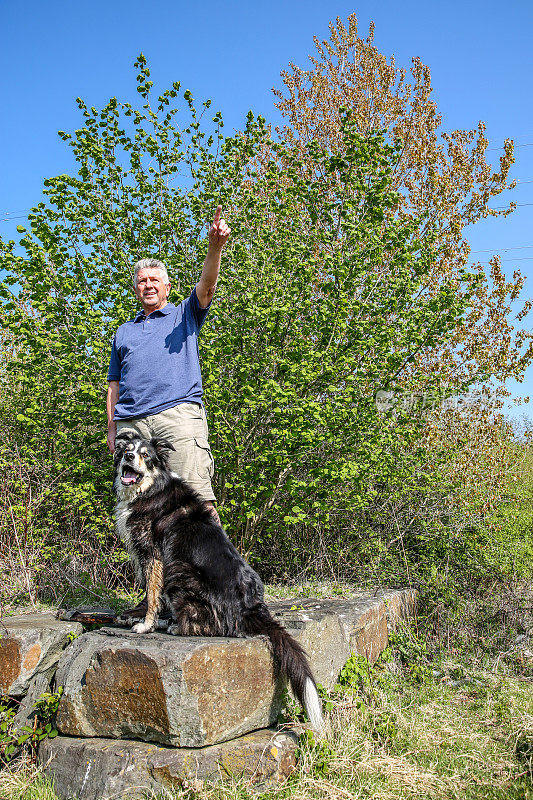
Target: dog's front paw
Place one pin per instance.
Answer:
(143, 627)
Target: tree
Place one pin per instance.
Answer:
(338, 283)
(466, 458)
(442, 177)
(302, 334)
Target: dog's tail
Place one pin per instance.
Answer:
(292, 660)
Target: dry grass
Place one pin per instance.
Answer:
(392, 740)
(419, 726)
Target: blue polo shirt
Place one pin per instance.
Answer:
(156, 361)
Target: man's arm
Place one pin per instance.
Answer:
(218, 236)
(112, 399)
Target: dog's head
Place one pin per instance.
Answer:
(139, 463)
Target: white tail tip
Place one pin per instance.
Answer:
(313, 706)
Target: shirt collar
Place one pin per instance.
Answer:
(160, 311)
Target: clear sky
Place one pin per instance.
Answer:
(480, 54)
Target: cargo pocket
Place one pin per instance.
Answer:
(205, 465)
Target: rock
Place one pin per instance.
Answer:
(331, 629)
(184, 692)
(30, 647)
(401, 605)
(193, 692)
(101, 769)
(26, 712)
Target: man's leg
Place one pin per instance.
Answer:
(185, 426)
(214, 513)
(139, 426)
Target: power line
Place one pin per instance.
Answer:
(23, 212)
(526, 144)
(504, 249)
(507, 260)
(517, 205)
(18, 211)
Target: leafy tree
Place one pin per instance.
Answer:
(443, 179)
(331, 290)
(467, 457)
(301, 336)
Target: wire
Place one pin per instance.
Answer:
(18, 211)
(527, 144)
(8, 219)
(505, 249)
(525, 258)
(517, 205)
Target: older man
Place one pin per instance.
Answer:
(154, 380)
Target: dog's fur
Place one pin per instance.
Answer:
(185, 561)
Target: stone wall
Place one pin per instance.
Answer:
(145, 712)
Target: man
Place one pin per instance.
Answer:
(154, 380)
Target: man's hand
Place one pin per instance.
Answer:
(219, 232)
(111, 436)
(112, 399)
(218, 236)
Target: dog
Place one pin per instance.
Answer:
(187, 563)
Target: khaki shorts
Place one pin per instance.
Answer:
(185, 426)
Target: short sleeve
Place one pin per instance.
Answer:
(113, 373)
(198, 312)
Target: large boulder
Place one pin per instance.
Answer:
(193, 692)
(184, 692)
(102, 769)
(401, 605)
(30, 647)
(332, 629)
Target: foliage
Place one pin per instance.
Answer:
(437, 737)
(441, 176)
(444, 516)
(27, 736)
(300, 339)
(345, 276)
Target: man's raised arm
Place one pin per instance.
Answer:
(219, 233)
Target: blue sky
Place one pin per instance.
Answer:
(480, 55)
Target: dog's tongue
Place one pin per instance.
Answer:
(128, 476)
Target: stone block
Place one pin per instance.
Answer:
(318, 627)
(88, 615)
(30, 647)
(104, 769)
(333, 628)
(184, 692)
(401, 606)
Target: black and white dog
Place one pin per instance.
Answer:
(185, 561)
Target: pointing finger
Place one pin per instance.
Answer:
(218, 212)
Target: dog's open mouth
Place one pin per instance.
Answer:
(130, 476)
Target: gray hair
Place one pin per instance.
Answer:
(149, 263)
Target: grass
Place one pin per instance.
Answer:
(419, 724)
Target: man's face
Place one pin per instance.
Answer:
(151, 289)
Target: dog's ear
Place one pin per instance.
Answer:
(122, 440)
(162, 447)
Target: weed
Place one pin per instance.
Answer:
(27, 737)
